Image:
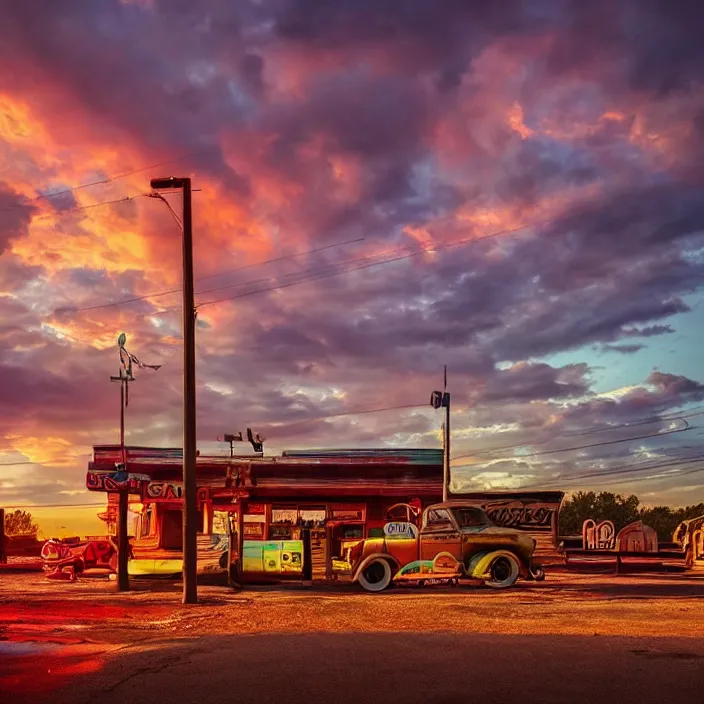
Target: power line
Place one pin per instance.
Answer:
(578, 447)
(105, 202)
(309, 278)
(286, 425)
(100, 182)
(160, 294)
(618, 471)
(423, 250)
(671, 475)
(282, 258)
(665, 418)
(678, 475)
(334, 266)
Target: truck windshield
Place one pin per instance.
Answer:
(471, 517)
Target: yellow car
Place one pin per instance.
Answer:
(456, 540)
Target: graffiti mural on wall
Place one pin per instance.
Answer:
(520, 515)
(115, 481)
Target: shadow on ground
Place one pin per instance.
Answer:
(434, 668)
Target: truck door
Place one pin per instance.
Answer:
(439, 534)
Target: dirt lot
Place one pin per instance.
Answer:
(571, 638)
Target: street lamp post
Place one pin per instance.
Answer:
(441, 399)
(190, 513)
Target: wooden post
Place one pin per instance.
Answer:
(307, 572)
(190, 515)
(3, 555)
(446, 441)
(231, 538)
(123, 578)
(190, 509)
(240, 543)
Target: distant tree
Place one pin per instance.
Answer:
(665, 519)
(662, 519)
(606, 506)
(603, 506)
(20, 523)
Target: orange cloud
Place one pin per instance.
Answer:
(50, 449)
(515, 121)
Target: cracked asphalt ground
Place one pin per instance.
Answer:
(573, 638)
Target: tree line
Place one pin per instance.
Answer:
(622, 510)
(20, 523)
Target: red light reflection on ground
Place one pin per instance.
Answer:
(76, 612)
(40, 667)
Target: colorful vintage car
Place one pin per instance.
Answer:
(456, 540)
(64, 559)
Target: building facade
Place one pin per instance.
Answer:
(330, 498)
(294, 516)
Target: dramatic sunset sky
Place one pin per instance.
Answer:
(569, 131)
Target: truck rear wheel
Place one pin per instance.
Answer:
(504, 571)
(376, 576)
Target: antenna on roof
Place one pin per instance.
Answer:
(255, 439)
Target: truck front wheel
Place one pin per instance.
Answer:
(503, 572)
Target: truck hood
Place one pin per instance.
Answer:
(490, 530)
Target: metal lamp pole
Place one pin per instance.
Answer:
(441, 399)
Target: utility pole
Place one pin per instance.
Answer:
(3, 555)
(124, 378)
(446, 440)
(190, 513)
(441, 399)
(123, 549)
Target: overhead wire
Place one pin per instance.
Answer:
(677, 475)
(416, 253)
(665, 418)
(578, 447)
(662, 475)
(660, 463)
(285, 425)
(282, 258)
(160, 294)
(101, 182)
(310, 275)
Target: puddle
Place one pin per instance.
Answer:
(14, 647)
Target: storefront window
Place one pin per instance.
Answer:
(280, 532)
(352, 532)
(147, 520)
(220, 522)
